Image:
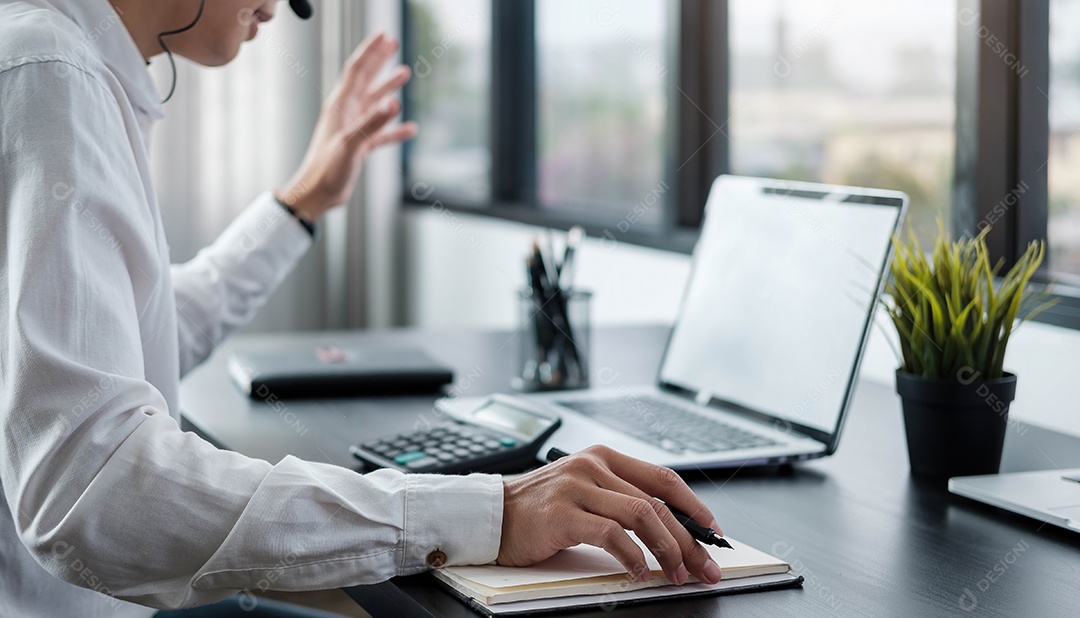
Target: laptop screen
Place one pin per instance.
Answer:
(780, 298)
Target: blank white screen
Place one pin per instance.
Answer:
(776, 306)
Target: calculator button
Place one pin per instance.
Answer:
(405, 458)
(508, 442)
(460, 452)
(476, 448)
(424, 462)
(491, 444)
(445, 457)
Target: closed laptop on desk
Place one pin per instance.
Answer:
(762, 361)
(330, 371)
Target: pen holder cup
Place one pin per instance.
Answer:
(553, 341)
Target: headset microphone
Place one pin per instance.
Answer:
(302, 8)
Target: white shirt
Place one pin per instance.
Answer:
(106, 502)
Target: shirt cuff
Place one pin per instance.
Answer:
(266, 228)
(450, 523)
(308, 226)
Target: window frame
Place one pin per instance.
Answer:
(514, 144)
(1002, 132)
(1002, 138)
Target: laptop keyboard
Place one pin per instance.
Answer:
(667, 425)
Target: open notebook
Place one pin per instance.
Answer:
(586, 576)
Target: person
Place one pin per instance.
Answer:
(109, 508)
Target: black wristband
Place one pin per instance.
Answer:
(309, 226)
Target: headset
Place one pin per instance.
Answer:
(302, 8)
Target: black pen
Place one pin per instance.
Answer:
(700, 533)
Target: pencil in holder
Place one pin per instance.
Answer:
(554, 340)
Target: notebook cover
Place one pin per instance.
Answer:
(332, 371)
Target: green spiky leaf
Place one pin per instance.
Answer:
(951, 310)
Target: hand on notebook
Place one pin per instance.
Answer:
(593, 497)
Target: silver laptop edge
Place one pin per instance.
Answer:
(1045, 496)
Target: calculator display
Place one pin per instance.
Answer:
(507, 417)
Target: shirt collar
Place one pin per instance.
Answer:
(107, 34)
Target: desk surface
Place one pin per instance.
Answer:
(868, 539)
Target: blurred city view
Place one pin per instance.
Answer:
(847, 92)
(450, 94)
(836, 91)
(607, 76)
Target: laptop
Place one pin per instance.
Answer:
(1052, 496)
(760, 367)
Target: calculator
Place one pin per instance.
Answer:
(502, 435)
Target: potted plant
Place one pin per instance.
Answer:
(954, 317)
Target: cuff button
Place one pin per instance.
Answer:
(436, 559)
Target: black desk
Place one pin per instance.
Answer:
(868, 539)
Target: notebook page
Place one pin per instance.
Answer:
(586, 561)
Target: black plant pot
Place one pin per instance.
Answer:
(953, 428)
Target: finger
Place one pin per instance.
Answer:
(389, 86)
(638, 514)
(610, 536)
(393, 135)
(374, 123)
(660, 482)
(363, 52)
(369, 60)
(692, 554)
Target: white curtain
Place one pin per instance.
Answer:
(233, 132)
(230, 133)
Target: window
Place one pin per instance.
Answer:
(450, 93)
(847, 92)
(618, 114)
(1063, 168)
(604, 79)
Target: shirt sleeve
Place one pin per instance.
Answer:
(221, 289)
(92, 465)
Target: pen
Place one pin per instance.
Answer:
(700, 533)
(555, 310)
(566, 268)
